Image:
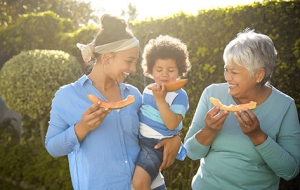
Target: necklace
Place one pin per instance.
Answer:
(103, 88)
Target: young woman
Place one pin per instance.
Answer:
(102, 144)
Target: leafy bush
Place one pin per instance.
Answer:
(29, 80)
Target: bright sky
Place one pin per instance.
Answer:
(162, 8)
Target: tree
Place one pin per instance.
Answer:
(132, 13)
(29, 80)
(79, 12)
(33, 31)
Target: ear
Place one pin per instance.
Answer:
(106, 56)
(260, 75)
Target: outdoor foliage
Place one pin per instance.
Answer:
(206, 36)
(78, 11)
(29, 80)
(33, 31)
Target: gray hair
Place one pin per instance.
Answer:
(252, 51)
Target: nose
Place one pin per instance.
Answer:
(165, 73)
(227, 76)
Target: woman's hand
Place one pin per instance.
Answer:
(250, 126)
(91, 119)
(171, 149)
(215, 119)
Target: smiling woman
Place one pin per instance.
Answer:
(158, 8)
(83, 131)
(259, 145)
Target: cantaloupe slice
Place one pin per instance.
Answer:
(232, 108)
(172, 86)
(112, 105)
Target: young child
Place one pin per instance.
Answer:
(165, 59)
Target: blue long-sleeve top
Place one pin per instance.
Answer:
(232, 161)
(106, 157)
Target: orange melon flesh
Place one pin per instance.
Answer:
(172, 86)
(112, 105)
(233, 108)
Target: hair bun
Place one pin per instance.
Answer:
(111, 24)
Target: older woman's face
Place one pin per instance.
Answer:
(241, 83)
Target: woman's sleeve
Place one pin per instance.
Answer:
(61, 138)
(283, 156)
(196, 150)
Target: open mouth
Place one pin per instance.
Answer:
(232, 85)
(126, 73)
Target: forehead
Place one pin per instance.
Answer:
(165, 63)
(132, 53)
(232, 65)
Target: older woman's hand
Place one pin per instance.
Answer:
(250, 126)
(215, 119)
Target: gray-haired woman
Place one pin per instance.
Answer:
(248, 149)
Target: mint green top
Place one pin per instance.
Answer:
(232, 161)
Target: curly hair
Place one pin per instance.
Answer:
(165, 47)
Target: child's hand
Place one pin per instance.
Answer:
(159, 92)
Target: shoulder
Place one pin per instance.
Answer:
(217, 86)
(182, 92)
(71, 87)
(216, 89)
(278, 96)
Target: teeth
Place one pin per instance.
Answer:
(126, 73)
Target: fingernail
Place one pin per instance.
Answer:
(99, 102)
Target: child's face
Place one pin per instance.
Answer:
(164, 71)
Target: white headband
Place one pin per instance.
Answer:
(87, 51)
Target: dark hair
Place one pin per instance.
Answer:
(112, 29)
(166, 47)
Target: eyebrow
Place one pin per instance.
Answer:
(130, 57)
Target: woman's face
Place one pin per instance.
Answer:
(241, 83)
(164, 71)
(122, 63)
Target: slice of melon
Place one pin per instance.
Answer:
(112, 105)
(172, 86)
(232, 108)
